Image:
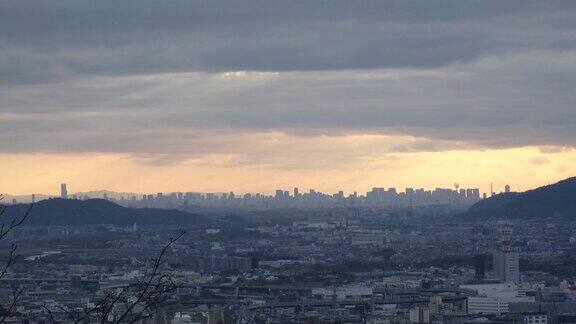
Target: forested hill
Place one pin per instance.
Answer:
(556, 200)
(97, 211)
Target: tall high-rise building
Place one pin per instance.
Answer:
(506, 262)
(63, 191)
(507, 266)
(279, 194)
(507, 188)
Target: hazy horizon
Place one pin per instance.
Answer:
(496, 187)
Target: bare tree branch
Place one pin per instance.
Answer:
(5, 229)
(15, 222)
(11, 259)
(150, 291)
(50, 314)
(15, 297)
(144, 294)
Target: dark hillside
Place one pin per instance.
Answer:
(97, 211)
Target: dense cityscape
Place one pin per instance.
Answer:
(304, 258)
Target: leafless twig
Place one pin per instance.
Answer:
(139, 298)
(15, 297)
(5, 229)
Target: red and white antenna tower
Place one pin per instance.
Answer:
(506, 239)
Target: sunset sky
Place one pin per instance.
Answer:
(249, 96)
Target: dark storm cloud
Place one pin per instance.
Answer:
(50, 40)
(147, 77)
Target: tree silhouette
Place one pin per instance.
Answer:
(137, 300)
(7, 226)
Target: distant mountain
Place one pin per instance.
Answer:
(23, 198)
(556, 200)
(90, 194)
(58, 211)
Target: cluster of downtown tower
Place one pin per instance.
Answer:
(377, 197)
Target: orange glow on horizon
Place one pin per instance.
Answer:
(328, 171)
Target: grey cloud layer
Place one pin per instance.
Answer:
(506, 101)
(54, 39)
(147, 77)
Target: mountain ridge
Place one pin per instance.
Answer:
(62, 212)
(555, 200)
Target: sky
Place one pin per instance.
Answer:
(249, 96)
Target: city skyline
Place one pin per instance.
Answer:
(64, 192)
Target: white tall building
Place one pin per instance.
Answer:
(63, 191)
(507, 266)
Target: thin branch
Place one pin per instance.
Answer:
(157, 262)
(5, 229)
(15, 222)
(15, 296)
(11, 259)
(151, 290)
(50, 314)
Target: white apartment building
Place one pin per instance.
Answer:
(346, 292)
(536, 318)
(495, 298)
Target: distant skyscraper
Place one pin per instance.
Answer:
(507, 188)
(63, 191)
(279, 194)
(507, 266)
(296, 193)
(33, 198)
